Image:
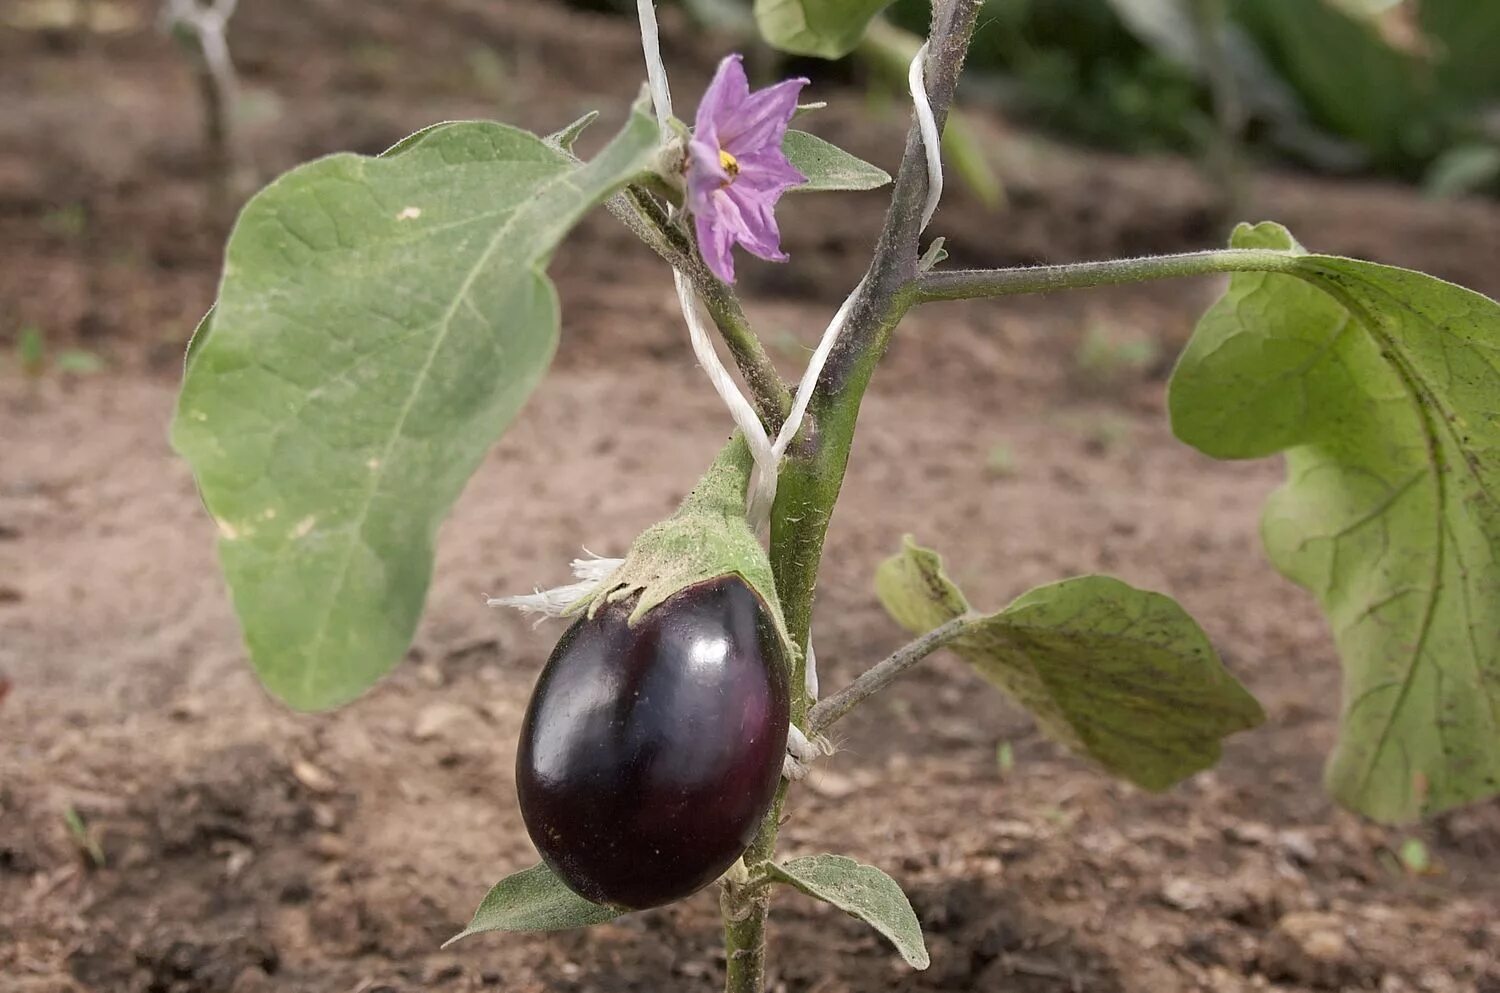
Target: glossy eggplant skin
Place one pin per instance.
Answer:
(649, 755)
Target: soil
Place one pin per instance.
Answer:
(167, 828)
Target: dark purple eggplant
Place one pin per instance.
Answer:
(649, 754)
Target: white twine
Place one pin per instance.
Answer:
(763, 482)
(209, 21)
(932, 142)
(656, 69)
(762, 490)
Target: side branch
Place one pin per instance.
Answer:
(831, 709)
(968, 284)
(644, 216)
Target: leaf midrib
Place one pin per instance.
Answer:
(377, 475)
(1416, 387)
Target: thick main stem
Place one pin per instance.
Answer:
(813, 472)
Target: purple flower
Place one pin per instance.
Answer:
(736, 170)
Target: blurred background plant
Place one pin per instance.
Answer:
(1408, 89)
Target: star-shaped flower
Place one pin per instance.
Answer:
(736, 170)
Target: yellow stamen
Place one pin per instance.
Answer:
(730, 163)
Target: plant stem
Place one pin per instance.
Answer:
(968, 284)
(1225, 159)
(813, 472)
(201, 29)
(832, 709)
(644, 215)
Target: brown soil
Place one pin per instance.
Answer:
(244, 848)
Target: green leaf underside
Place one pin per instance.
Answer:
(568, 136)
(1118, 674)
(380, 322)
(861, 891)
(1382, 386)
(825, 28)
(708, 537)
(828, 167)
(534, 900)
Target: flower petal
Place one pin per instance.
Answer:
(715, 239)
(758, 231)
(768, 172)
(761, 119)
(728, 91)
(705, 170)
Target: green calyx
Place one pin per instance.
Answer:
(707, 538)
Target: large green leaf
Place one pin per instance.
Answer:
(1383, 388)
(862, 891)
(1462, 34)
(828, 167)
(534, 900)
(1115, 673)
(380, 322)
(826, 28)
(1349, 78)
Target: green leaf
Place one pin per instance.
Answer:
(828, 167)
(568, 136)
(1115, 673)
(826, 28)
(1381, 386)
(862, 891)
(380, 322)
(534, 900)
(1463, 170)
(1349, 78)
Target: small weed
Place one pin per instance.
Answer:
(1104, 359)
(1415, 858)
(31, 351)
(1001, 462)
(1102, 432)
(83, 837)
(68, 221)
(1005, 758)
(33, 358)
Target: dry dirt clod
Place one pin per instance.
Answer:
(314, 778)
(835, 785)
(1185, 894)
(1298, 846)
(438, 720)
(1310, 948)
(330, 847)
(1250, 833)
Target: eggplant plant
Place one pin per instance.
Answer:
(382, 319)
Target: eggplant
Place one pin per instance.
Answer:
(650, 754)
